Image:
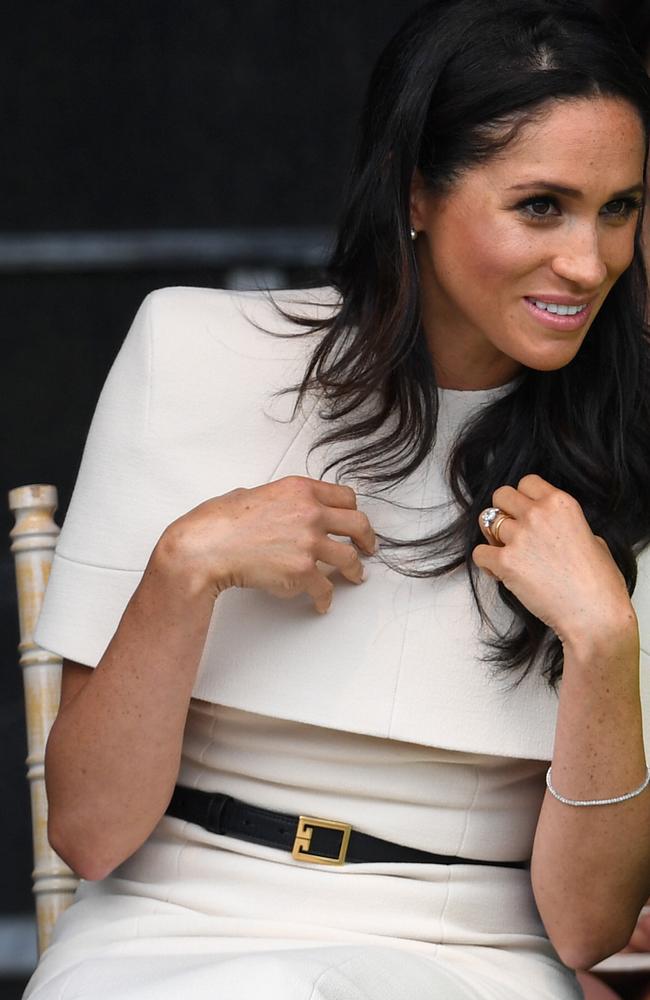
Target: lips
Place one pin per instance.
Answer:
(556, 321)
(560, 300)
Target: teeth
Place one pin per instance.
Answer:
(553, 307)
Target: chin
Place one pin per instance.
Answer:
(550, 366)
(555, 356)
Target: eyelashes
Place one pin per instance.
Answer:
(529, 208)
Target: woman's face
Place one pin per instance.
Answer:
(546, 224)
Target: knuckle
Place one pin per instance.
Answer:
(350, 495)
(309, 541)
(310, 514)
(294, 482)
(363, 521)
(572, 502)
(302, 566)
(354, 523)
(535, 515)
(559, 500)
(350, 557)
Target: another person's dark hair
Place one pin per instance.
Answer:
(454, 86)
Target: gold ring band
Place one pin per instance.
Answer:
(495, 526)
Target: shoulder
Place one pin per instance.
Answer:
(240, 321)
(215, 351)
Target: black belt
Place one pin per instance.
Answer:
(309, 838)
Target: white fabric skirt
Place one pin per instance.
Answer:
(208, 917)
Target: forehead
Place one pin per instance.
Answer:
(578, 142)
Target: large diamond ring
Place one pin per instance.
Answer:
(492, 518)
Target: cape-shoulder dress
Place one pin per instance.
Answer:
(382, 713)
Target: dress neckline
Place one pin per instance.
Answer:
(495, 392)
(457, 405)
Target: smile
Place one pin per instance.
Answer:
(554, 307)
(558, 315)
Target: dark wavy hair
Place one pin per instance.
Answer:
(454, 86)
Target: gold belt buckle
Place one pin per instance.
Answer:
(302, 843)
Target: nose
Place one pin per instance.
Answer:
(579, 258)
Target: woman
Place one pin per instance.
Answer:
(361, 805)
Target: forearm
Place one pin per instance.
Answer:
(591, 865)
(113, 753)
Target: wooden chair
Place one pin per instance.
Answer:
(33, 540)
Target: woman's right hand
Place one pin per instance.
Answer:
(271, 537)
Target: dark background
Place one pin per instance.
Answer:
(224, 127)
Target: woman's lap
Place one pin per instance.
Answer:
(333, 972)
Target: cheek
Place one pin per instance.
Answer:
(488, 255)
(619, 253)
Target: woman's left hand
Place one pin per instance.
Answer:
(554, 564)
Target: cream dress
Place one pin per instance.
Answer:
(379, 714)
(208, 917)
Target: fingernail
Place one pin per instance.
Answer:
(364, 574)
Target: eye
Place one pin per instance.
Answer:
(621, 208)
(539, 207)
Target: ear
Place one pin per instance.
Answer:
(417, 200)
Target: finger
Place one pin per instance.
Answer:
(486, 558)
(506, 529)
(351, 524)
(320, 589)
(535, 487)
(512, 501)
(343, 556)
(485, 531)
(334, 495)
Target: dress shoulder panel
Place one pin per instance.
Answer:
(188, 411)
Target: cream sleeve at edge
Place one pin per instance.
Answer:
(109, 530)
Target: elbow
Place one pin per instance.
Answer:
(580, 960)
(583, 956)
(76, 852)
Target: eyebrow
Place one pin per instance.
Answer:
(573, 192)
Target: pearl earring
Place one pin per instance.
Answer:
(414, 234)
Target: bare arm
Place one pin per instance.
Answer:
(114, 751)
(590, 866)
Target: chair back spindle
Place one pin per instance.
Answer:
(33, 539)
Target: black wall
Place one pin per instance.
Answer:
(189, 113)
